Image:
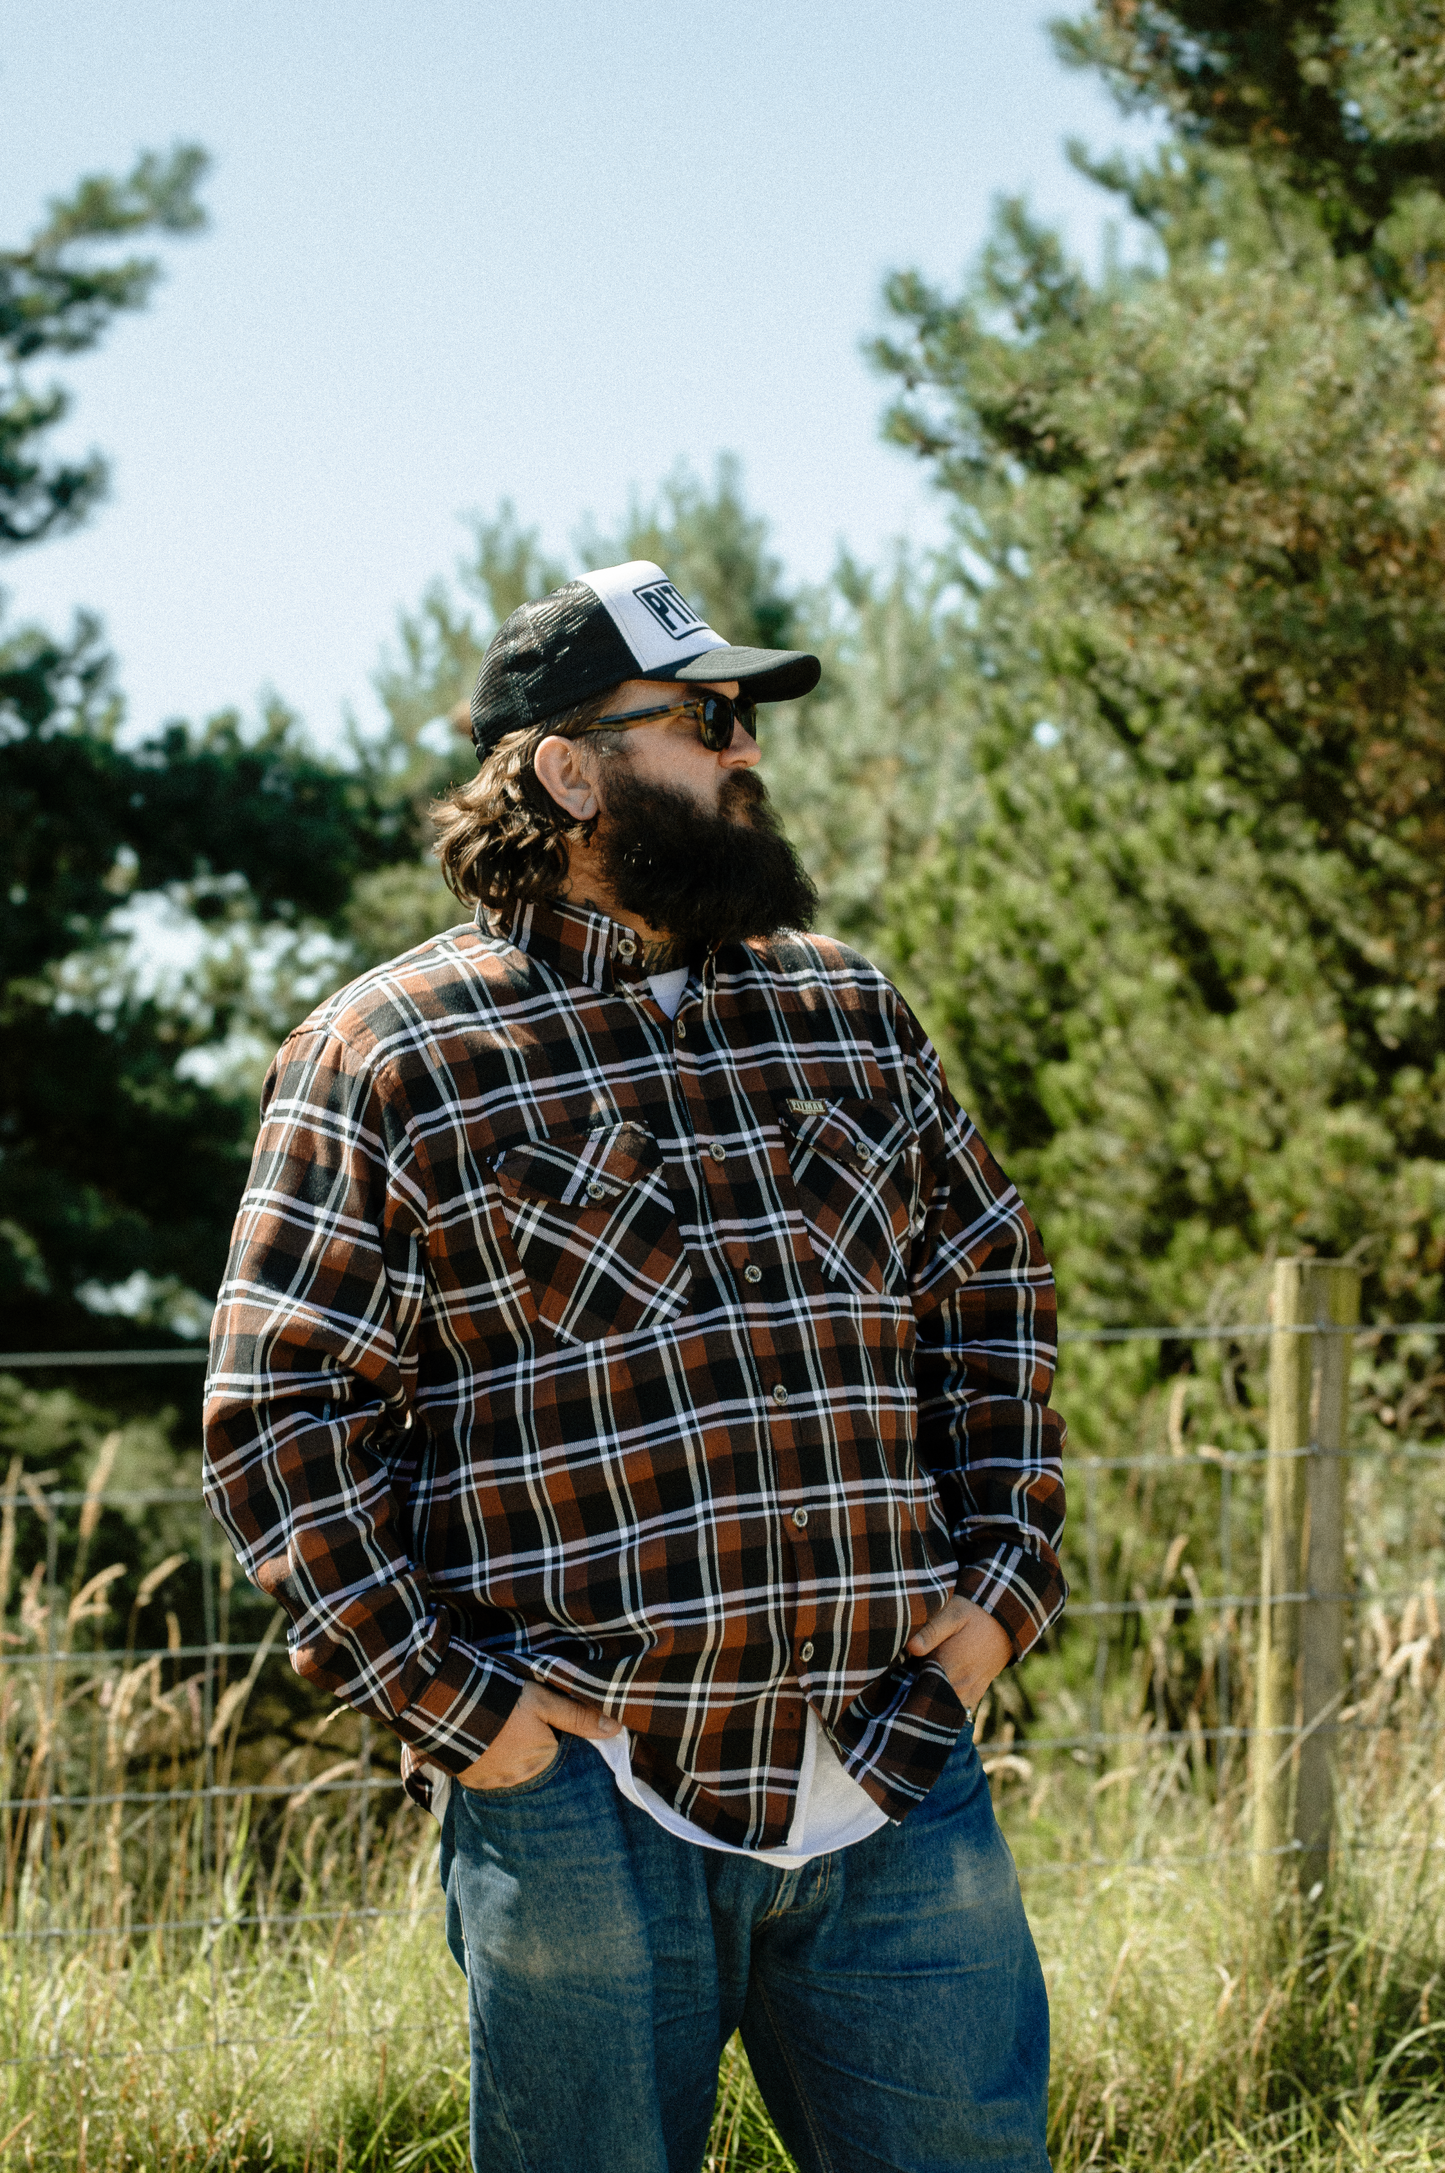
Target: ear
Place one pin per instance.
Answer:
(564, 771)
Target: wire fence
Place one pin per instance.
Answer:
(196, 1790)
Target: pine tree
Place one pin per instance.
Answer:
(120, 1164)
(1187, 942)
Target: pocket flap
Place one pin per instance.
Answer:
(866, 1135)
(580, 1169)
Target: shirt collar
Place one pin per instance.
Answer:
(586, 947)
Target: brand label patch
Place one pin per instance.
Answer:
(808, 1109)
(672, 611)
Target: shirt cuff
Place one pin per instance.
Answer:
(1023, 1593)
(462, 1708)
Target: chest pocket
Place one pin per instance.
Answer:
(594, 1228)
(855, 1170)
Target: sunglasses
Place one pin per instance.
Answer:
(714, 715)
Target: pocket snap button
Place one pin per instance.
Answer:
(800, 1518)
(752, 1273)
(780, 1394)
(718, 1151)
(596, 1191)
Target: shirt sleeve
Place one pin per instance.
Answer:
(308, 1441)
(983, 1296)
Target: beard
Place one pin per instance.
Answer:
(704, 879)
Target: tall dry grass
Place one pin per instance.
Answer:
(147, 2022)
(1190, 2029)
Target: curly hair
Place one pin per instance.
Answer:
(502, 838)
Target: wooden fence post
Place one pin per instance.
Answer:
(1300, 1676)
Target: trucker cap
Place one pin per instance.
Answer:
(623, 622)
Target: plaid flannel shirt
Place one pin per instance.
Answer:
(683, 1366)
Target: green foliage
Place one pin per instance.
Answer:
(442, 643)
(101, 1103)
(57, 297)
(105, 1089)
(1186, 939)
(870, 769)
(1340, 103)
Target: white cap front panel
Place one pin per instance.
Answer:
(655, 620)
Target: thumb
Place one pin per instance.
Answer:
(570, 1717)
(937, 1627)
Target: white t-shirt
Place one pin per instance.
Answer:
(832, 1810)
(667, 989)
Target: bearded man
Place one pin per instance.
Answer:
(631, 1376)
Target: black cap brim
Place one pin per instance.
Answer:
(767, 675)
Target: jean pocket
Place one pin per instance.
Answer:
(478, 1796)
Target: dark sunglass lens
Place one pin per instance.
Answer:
(717, 723)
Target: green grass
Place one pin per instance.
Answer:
(1191, 2029)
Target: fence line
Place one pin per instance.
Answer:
(219, 1922)
(55, 1669)
(1226, 1332)
(389, 2031)
(1031, 1746)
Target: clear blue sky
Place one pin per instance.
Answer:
(463, 251)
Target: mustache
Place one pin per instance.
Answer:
(744, 793)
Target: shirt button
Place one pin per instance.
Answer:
(596, 1191)
(627, 948)
(807, 1652)
(682, 1030)
(718, 1151)
(752, 1273)
(800, 1518)
(780, 1394)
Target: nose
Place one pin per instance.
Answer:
(742, 750)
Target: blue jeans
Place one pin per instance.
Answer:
(889, 1995)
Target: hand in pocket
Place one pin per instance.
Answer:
(526, 1744)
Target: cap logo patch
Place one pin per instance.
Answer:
(672, 611)
(808, 1109)
(659, 628)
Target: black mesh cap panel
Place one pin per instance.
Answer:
(546, 657)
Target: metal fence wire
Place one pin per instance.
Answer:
(169, 1785)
